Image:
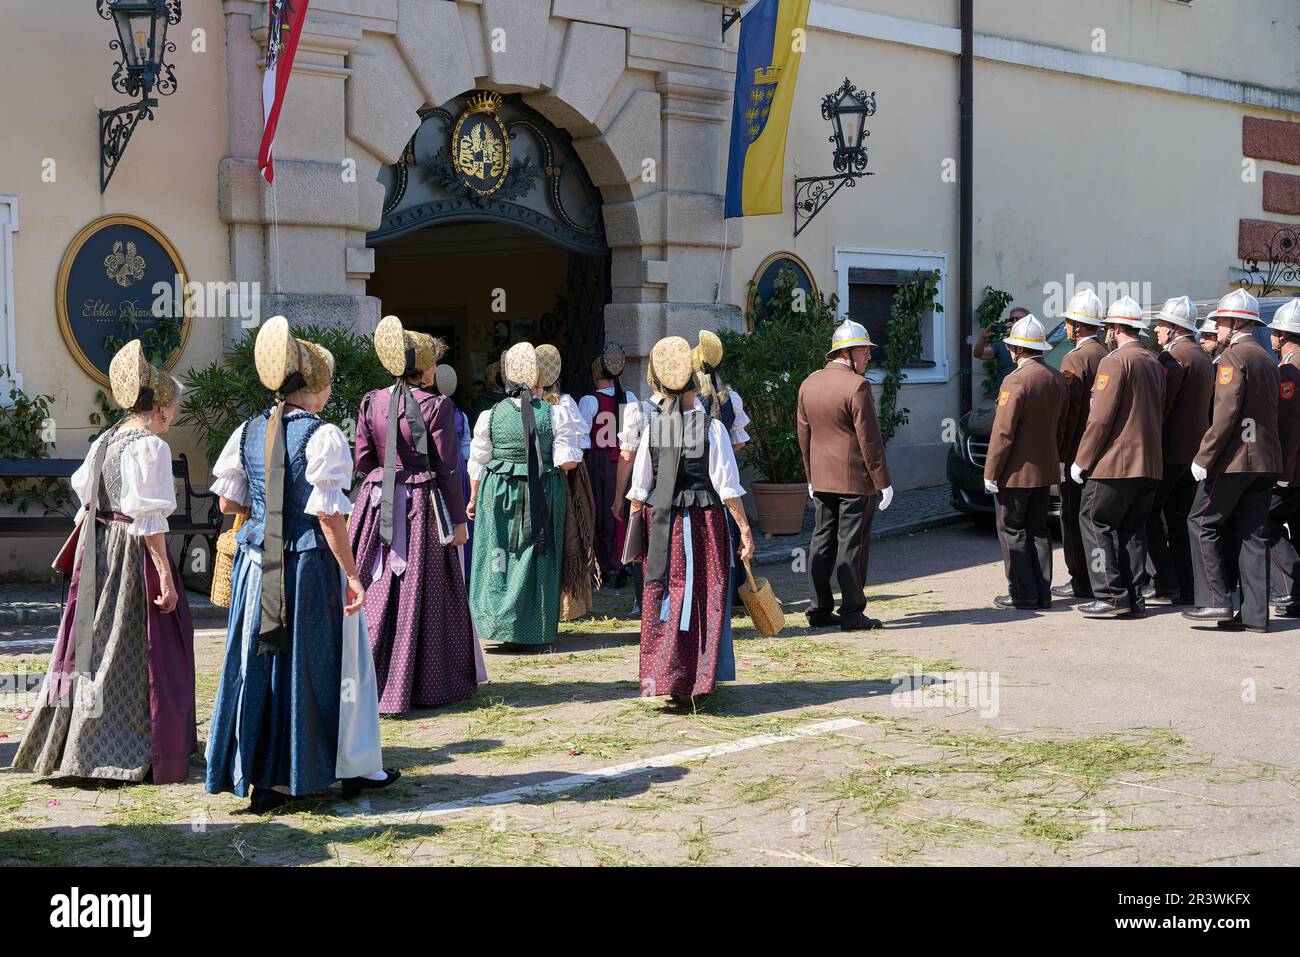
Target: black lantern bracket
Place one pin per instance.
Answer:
(846, 110)
(141, 71)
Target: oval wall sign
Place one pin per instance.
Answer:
(764, 282)
(480, 145)
(107, 293)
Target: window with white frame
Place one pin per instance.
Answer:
(866, 280)
(9, 374)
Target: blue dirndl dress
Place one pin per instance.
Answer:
(282, 719)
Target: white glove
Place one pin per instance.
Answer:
(1062, 471)
(886, 496)
(1199, 473)
(810, 491)
(1283, 484)
(1076, 473)
(991, 486)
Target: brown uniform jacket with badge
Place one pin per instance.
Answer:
(1029, 428)
(1243, 433)
(1189, 390)
(839, 434)
(1126, 417)
(1080, 369)
(1288, 416)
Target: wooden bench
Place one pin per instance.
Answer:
(183, 522)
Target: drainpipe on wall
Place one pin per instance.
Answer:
(965, 183)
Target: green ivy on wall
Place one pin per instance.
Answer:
(989, 316)
(903, 344)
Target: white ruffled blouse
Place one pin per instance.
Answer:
(589, 406)
(329, 471)
(723, 471)
(566, 426)
(148, 489)
(635, 419)
(739, 435)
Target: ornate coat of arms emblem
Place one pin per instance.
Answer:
(480, 145)
(124, 266)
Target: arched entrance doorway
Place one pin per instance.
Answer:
(492, 234)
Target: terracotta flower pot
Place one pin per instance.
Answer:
(780, 507)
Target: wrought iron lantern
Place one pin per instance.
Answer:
(142, 71)
(846, 110)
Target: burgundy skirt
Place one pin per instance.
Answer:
(682, 618)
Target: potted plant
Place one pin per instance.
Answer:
(791, 332)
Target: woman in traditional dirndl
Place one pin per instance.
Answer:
(579, 568)
(296, 708)
(408, 528)
(517, 500)
(118, 702)
(686, 481)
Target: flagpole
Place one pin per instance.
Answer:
(275, 235)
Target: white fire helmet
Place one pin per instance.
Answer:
(1125, 311)
(1179, 311)
(1085, 307)
(1287, 318)
(1027, 333)
(847, 335)
(1238, 304)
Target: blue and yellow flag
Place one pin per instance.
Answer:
(767, 65)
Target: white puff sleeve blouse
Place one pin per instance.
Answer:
(740, 420)
(329, 471)
(228, 479)
(724, 473)
(566, 427)
(148, 489)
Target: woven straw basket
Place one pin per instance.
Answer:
(761, 603)
(224, 564)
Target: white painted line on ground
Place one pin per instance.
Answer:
(573, 782)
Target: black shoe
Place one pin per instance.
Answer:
(265, 800)
(1006, 601)
(1103, 609)
(860, 623)
(1063, 591)
(823, 619)
(1137, 610)
(1208, 614)
(1236, 624)
(1156, 596)
(354, 786)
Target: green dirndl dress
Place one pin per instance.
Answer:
(514, 591)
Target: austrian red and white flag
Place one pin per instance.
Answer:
(287, 17)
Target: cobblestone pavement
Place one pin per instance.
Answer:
(959, 734)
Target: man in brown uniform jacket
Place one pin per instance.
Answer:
(1239, 460)
(1284, 505)
(1189, 389)
(1083, 318)
(1024, 460)
(844, 459)
(1120, 451)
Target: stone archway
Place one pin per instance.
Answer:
(644, 102)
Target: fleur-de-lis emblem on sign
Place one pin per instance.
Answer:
(124, 268)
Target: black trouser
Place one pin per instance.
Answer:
(1114, 525)
(1283, 560)
(1229, 508)
(1026, 543)
(602, 471)
(840, 542)
(1076, 562)
(1169, 550)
